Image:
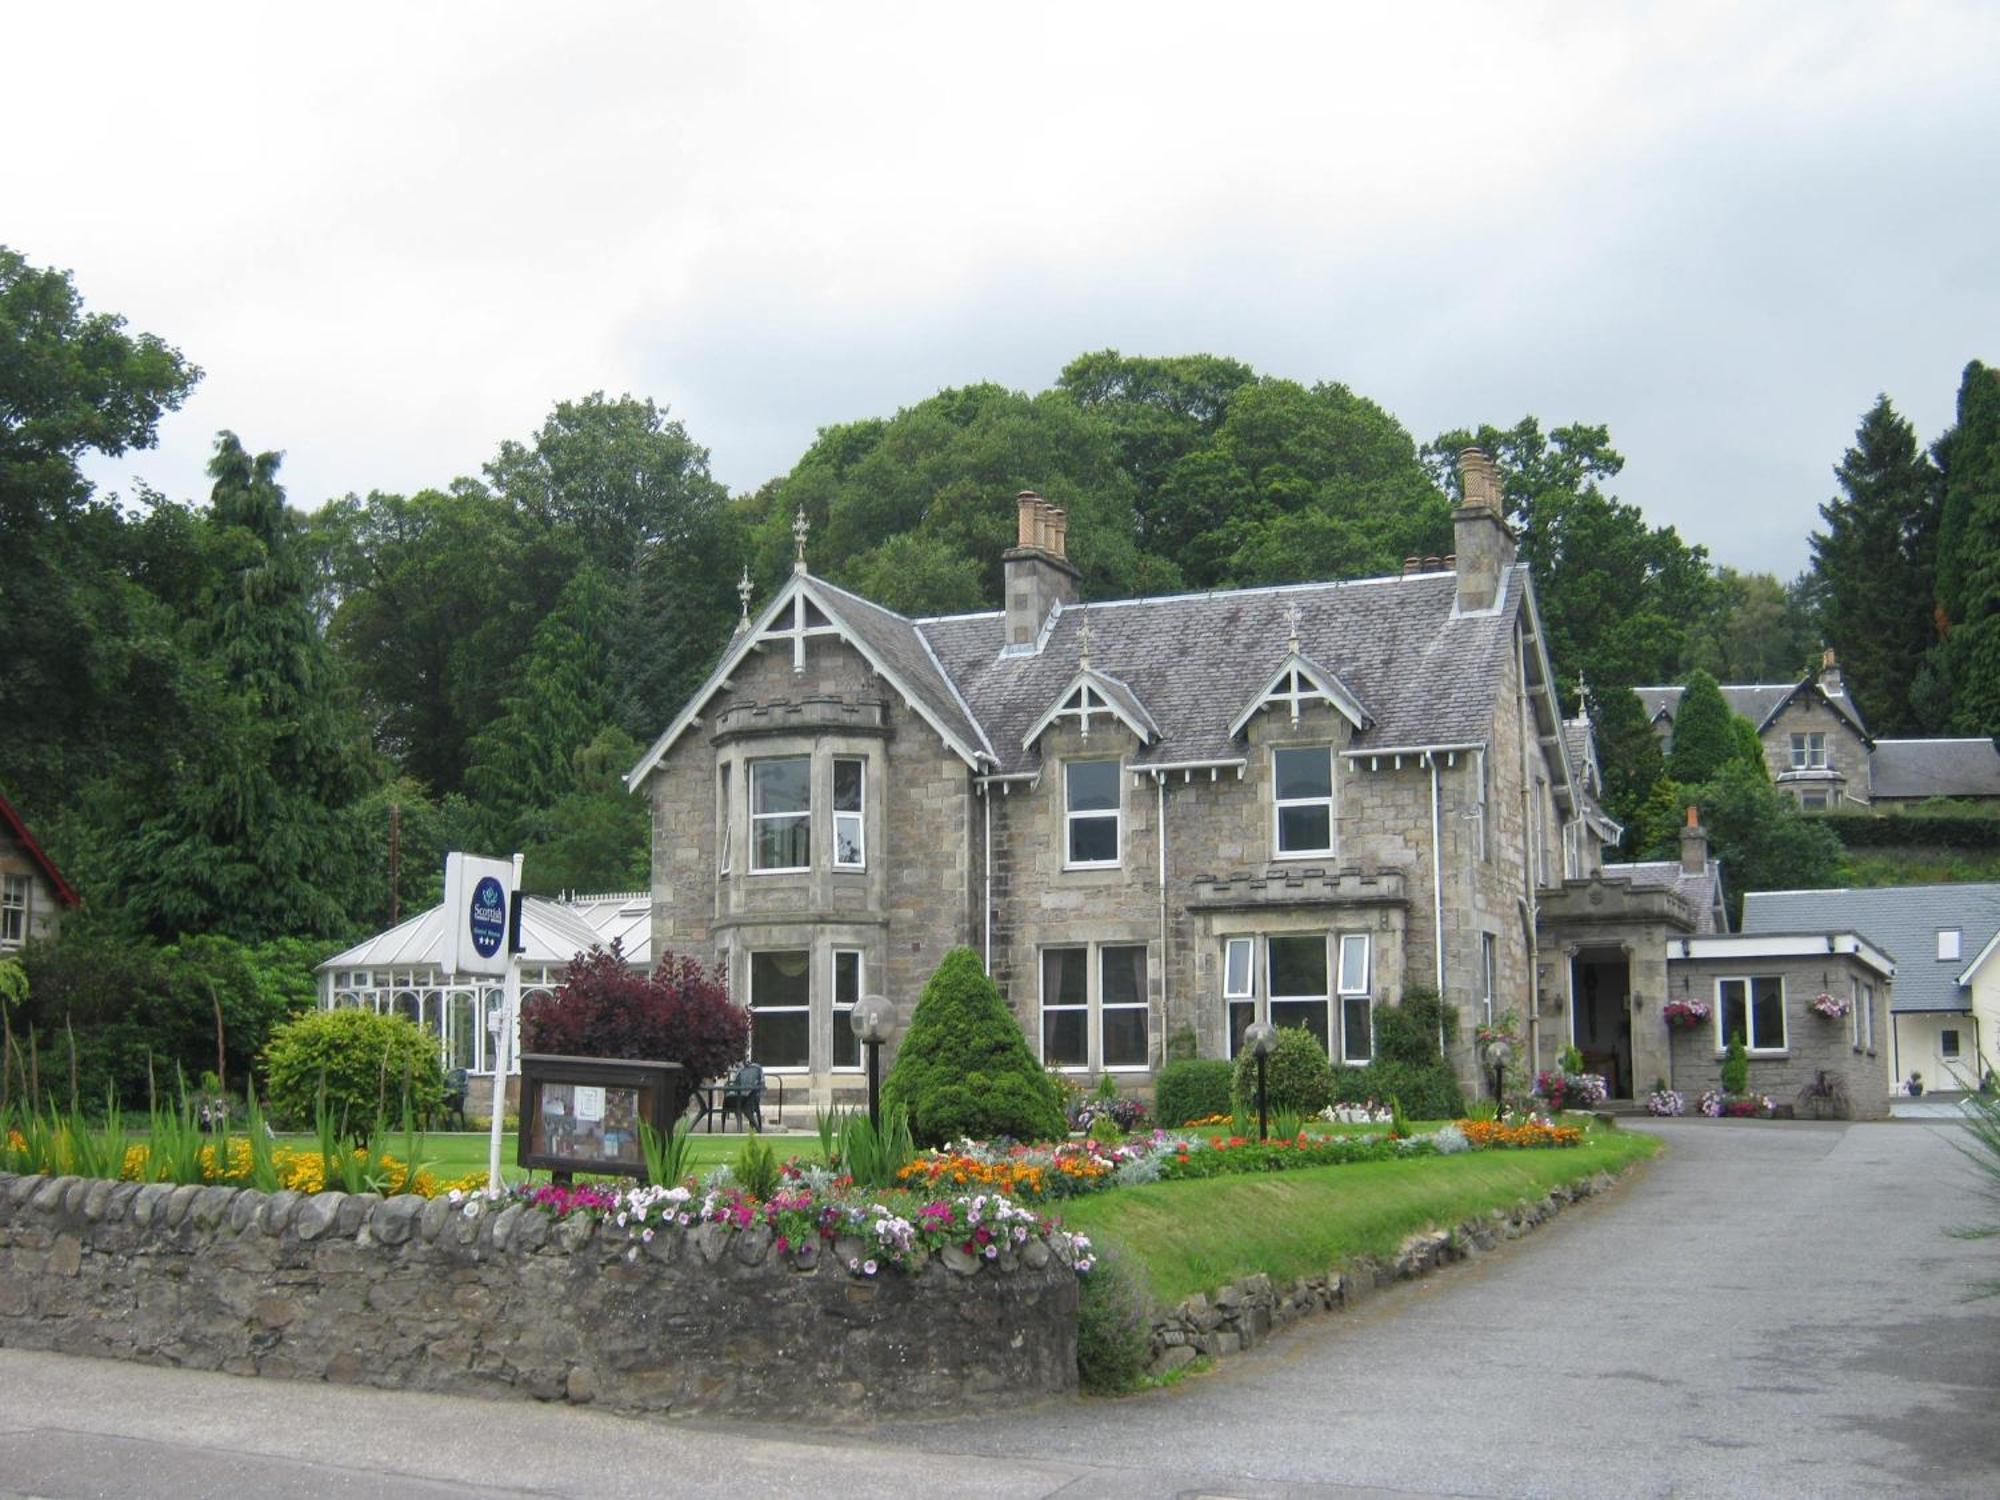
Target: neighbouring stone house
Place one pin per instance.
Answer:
(1818, 748)
(33, 893)
(1944, 1017)
(1156, 819)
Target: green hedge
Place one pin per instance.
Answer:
(1914, 830)
(1191, 1089)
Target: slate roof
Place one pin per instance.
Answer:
(1424, 674)
(1902, 921)
(902, 647)
(1703, 892)
(1935, 768)
(1758, 702)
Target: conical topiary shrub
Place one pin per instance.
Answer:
(964, 1068)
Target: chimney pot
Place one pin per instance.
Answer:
(1028, 523)
(1484, 546)
(1412, 564)
(1039, 577)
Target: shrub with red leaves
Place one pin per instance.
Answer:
(678, 1013)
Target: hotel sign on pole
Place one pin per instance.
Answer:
(478, 898)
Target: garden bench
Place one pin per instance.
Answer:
(456, 1086)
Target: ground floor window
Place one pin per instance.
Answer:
(781, 1008)
(1094, 1007)
(1753, 1008)
(1948, 1044)
(1321, 982)
(846, 991)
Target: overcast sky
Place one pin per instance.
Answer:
(394, 236)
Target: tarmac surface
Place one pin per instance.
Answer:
(1766, 1309)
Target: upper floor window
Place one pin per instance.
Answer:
(781, 814)
(850, 847)
(1753, 1009)
(1948, 943)
(724, 820)
(1303, 783)
(14, 910)
(1809, 751)
(1091, 815)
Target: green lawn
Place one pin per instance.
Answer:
(1188, 1237)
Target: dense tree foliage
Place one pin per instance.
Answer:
(1756, 629)
(1876, 565)
(1965, 668)
(1763, 840)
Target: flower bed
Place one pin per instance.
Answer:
(298, 1171)
(1518, 1135)
(803, 1221)
(1718, 1105)
(1571, 1090)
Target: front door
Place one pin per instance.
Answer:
(1602, 1018)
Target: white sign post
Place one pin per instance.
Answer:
(478, 939)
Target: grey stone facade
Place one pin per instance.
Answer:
(1849, 1050)
(415, 1294)
(1452, 802)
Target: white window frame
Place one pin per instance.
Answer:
(855, 817)
(1749, 983)
(1489, 968)
(16, 899)
(843, 1026)
(1233, 994)
(1808, 749)
(1071, 817)
(757, 818)
(1100, 1007)
(725, 819)
(1949, 940)
(1854, 1013)
(1868, 1018)
(1325, 1000)
(750, 998)
(1280, 804)
(1352, 988)
(1044, 1006)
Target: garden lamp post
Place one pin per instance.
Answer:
(1262, 1040)
(874, 1021)
(1498, 1054)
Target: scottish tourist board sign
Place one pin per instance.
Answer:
(478, 896)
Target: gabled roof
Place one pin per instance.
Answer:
(1328, 685)
(1759, 702)
(551, 933)
(1426, 674)
(1902, 920)
(1935, 768)
(65, 893)
(1111, 696)
(1581, 744)
(1703, 892)
(891, 645)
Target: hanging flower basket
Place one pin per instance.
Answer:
(1685, 1015)
(1825, 1005)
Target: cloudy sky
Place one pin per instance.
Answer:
(393, 236)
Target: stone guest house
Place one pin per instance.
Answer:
(1152, 816)
(1163, 819)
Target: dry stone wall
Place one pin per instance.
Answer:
(420, 1294)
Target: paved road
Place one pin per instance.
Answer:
(1767, 1311)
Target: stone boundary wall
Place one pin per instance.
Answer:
(1238, 1315)
(419, 1294)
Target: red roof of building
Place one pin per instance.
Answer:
(64, 889)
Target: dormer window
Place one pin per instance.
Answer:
(1091, 814)
(781, 814)
(1303, 782)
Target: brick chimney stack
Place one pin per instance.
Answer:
(1484, 543)
(1039, 575)
(1694, 845)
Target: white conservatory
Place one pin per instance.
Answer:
(398, 970)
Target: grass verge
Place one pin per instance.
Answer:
(453, 1153)
(1188, 1237)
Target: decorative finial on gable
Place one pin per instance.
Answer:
(1582, 698)
(1083, 659)
(743, 592)
(800, 526)
(1292, 623)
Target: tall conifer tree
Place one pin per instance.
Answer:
(1704, 741)
(1877, 566)
(1967, 662)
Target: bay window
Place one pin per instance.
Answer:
(781, 814)
(1319, 982)
(781, 1008)
(849, 835)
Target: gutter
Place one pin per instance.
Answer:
(1437, 891)
(1166, 964)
